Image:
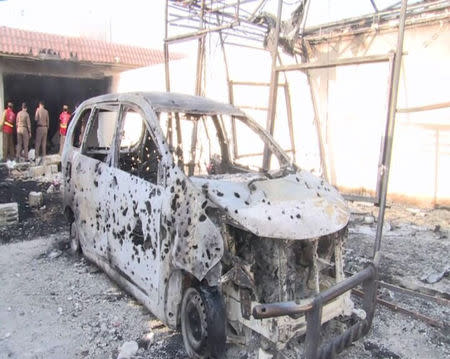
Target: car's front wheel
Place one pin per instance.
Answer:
(203, 322)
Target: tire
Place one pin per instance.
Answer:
(203, 322)
(75, 247)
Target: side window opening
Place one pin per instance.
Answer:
(138, 152)
(100, 135)
(80, 127)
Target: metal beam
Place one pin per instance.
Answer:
(273, 87)
(389, 135)
(334, 63)
(436, 106)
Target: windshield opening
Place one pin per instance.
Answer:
(218, 144)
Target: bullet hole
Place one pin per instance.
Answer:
(220, 194)
(263, 200)
(236, 211)
(269, 218)
(115, 180)
(204, 204)
(95, 183)
(298, 180)
(247, 203)
(237, 195)
(202, 218)
(195, 246)
(298, 216)
(318, 194)
(292, 217)
(148, 205)
(124, 212)
(172, 189)
(186, 234)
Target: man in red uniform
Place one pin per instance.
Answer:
(64, 118)
(8, 121)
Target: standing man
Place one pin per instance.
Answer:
(8, 120)
(64, 119)
(42, 123)
(23, 132)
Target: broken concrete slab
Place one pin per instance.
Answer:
(128, 350)
(35, 199)
(9, 213)
(51, 159)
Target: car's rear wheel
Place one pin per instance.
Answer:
(203, 322)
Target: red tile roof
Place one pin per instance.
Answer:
(49, 46)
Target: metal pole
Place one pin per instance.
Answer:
(273, 86)
(390, 130)
(200, 55)
(166, 47)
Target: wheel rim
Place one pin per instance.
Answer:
(194, 322)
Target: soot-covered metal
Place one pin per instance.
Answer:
(163, 196)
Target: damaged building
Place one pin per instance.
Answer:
(61, 70)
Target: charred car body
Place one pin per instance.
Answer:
(165, 192)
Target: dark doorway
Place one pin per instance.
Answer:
(55, 92)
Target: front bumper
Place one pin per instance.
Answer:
(313, 311)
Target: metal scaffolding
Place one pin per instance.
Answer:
(243, 23)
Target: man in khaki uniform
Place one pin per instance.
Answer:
(23, 132)
(42, 123)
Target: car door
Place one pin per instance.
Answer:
(136, 204)
(92, 176)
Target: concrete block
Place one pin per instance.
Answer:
(35, 199)
(48, 171)
(37, 171)
(9, 213)
(52, 159)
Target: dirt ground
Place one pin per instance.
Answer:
(54, 305)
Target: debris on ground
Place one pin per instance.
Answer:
(66, 307)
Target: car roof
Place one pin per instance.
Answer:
(175, 102)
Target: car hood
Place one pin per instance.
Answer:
(296, 206)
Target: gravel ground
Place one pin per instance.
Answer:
(53, 305)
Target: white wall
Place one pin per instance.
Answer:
(353, 106)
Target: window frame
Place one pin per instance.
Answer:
(124, 106)
(94, 111)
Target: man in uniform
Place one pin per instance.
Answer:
(23, 132)
(42, 123)
(64, 118)
(8, 121)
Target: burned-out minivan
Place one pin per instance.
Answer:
(168, 194)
